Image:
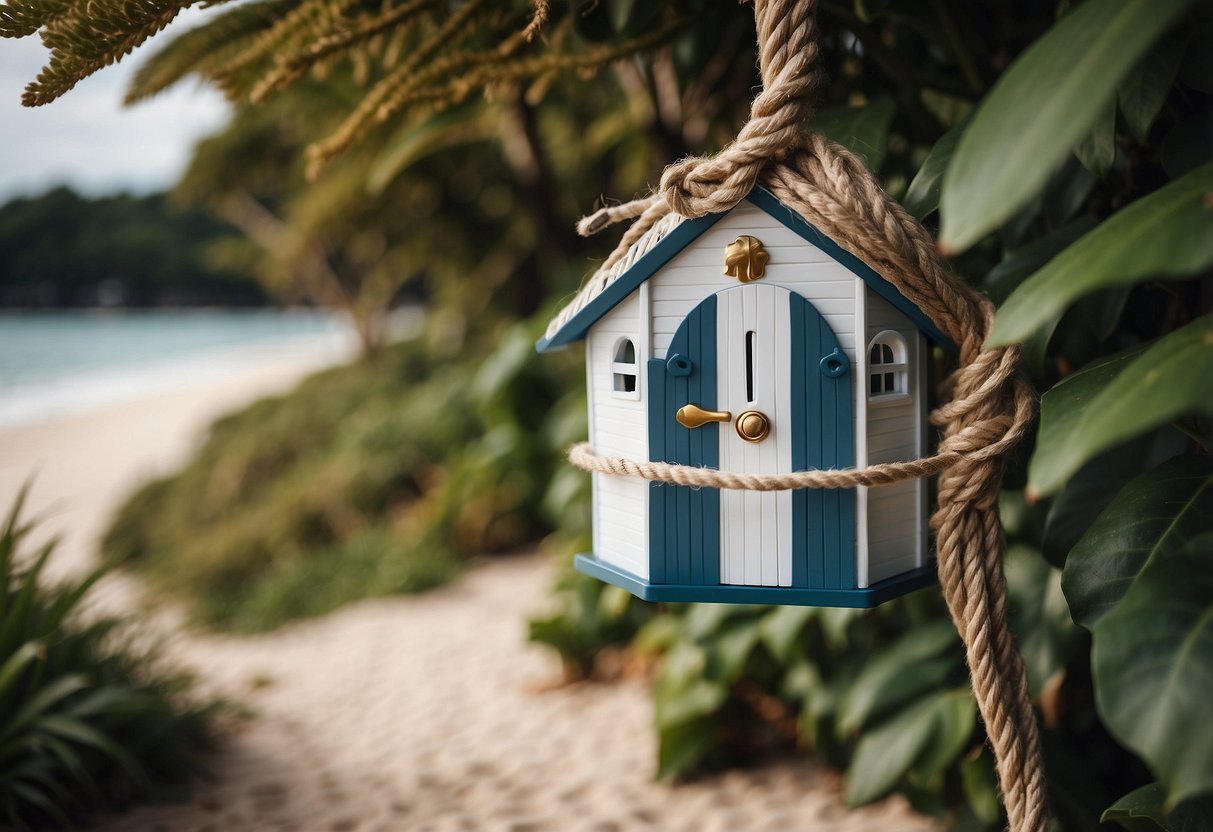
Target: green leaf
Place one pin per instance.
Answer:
(681, 747)
(780, 629)
(1099, 407)
(1039, 109)
(1141, 810)
(981, 787)
(885, 754)
(1097, 150)
(917, 662)
(1146, 88)
(922, 197)
(1195, 815)
(1152, 662)
(955, 717)
(1089, 492)
(729, 650)
(418, 141)
(1040, 618)
(862, 130)
(1167, 234)
(1156, 514)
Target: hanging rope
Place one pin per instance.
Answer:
(989, 406)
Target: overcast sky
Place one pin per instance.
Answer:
(86, 139)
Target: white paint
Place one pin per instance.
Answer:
(619, 426)
(894, 519)
(795, 264)
(756, 527)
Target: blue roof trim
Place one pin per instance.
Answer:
(769, 203)
(669, 246)
(576, 327)
(864, 598)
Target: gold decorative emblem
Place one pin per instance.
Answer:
(745, 258)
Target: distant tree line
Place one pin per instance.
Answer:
(63, 250)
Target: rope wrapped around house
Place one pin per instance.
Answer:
(989, 406)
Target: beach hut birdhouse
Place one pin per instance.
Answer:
(748, 341)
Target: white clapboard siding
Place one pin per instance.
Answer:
(619, 426)
(795, 264)
(895, 523)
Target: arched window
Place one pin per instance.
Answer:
(625, 369)
(887, 370)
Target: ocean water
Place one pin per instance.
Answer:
(61, 363)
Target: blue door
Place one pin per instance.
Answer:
(764, 388)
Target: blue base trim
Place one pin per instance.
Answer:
(865, 598)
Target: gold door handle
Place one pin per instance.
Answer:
(694, 416)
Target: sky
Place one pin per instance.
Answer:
(87, 139)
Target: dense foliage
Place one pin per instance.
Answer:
(64, 250)
(1097, 240)
(1062, 147)
(87, 722)
(376, 478)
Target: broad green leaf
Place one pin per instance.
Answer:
(885, 754)
(684, 703)
(862, 130)
(1193, 815)
(780, 629)
(681, 747)
(1168, 234)
(1040, 108)
(1097, 149)
(1095, 409)
(1040, 618)
(1025, 260)
(1146, 88)
(955, 717)
(1141, 810)
(981, 787)
(919, 661)
(1156, 514)
(1152, 662)
(1089, 492)
(922, 197)
(729, 650)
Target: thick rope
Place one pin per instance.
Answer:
(990, 406)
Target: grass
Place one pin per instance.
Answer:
(367, 480)
(87, 721)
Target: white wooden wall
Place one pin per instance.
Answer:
(895, 529)
(619, 426)
(795, 264)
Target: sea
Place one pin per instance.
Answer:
(56, 364)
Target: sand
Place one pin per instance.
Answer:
(421, 713)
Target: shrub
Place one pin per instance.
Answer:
(1072, 181)
(86, 722)
(370, 479)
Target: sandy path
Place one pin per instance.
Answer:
(421, 713)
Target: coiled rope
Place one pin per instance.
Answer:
(989, 405)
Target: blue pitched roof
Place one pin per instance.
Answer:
(576, 327)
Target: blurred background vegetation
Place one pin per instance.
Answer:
(440, 152)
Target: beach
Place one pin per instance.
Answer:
(429, 712)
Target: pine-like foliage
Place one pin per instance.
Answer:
(408, 54)
(83, 36)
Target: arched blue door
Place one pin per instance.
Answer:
(784, 362)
